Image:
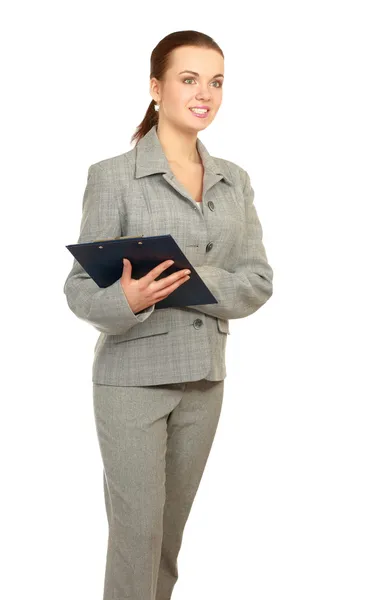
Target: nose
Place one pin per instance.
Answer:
(203, 93)
(203, 96)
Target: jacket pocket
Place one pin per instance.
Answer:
(223, 325)
(158, 323)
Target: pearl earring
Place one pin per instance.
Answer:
(157, 107)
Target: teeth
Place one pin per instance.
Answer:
(199, 110)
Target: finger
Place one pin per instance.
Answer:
(164, 292)
(164, 282)
(127, 268)
(156, 271)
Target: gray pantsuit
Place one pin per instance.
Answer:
(154, 441)
(158, 375)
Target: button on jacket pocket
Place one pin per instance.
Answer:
(158, 323)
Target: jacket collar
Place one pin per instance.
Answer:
(150, 159)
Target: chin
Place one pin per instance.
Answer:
(199, 123)
(198, 128)
(188, 125)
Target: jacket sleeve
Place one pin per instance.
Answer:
(106, 309)
(241, 292)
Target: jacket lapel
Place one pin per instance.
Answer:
(150, 159)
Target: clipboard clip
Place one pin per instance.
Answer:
(120, 237)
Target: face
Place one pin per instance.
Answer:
(181, 90)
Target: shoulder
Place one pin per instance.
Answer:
(114, 168)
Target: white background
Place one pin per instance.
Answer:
(292, 504)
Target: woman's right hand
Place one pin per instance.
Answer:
(143, 292)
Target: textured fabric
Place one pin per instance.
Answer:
(154, 443)
(136, 193)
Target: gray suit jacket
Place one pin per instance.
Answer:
(136, 193)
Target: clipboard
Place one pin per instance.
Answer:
(102, 260)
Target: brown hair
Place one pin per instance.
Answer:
(160, 62)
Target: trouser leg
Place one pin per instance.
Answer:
(132, 433)
(191, 429)
(108, 585)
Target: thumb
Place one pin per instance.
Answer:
(127, 270)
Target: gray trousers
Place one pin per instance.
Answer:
(154, 442)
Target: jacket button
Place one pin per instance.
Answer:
(210, 205)
(197, 323)
(209, 246)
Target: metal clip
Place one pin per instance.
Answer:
(120, 237)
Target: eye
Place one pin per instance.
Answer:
(216, 81)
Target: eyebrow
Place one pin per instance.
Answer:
(197, 74)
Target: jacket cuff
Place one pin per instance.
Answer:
(111, 313)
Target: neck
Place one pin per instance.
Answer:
(178, 146)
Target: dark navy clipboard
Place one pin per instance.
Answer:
(102, 260)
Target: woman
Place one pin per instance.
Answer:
(158, 375)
